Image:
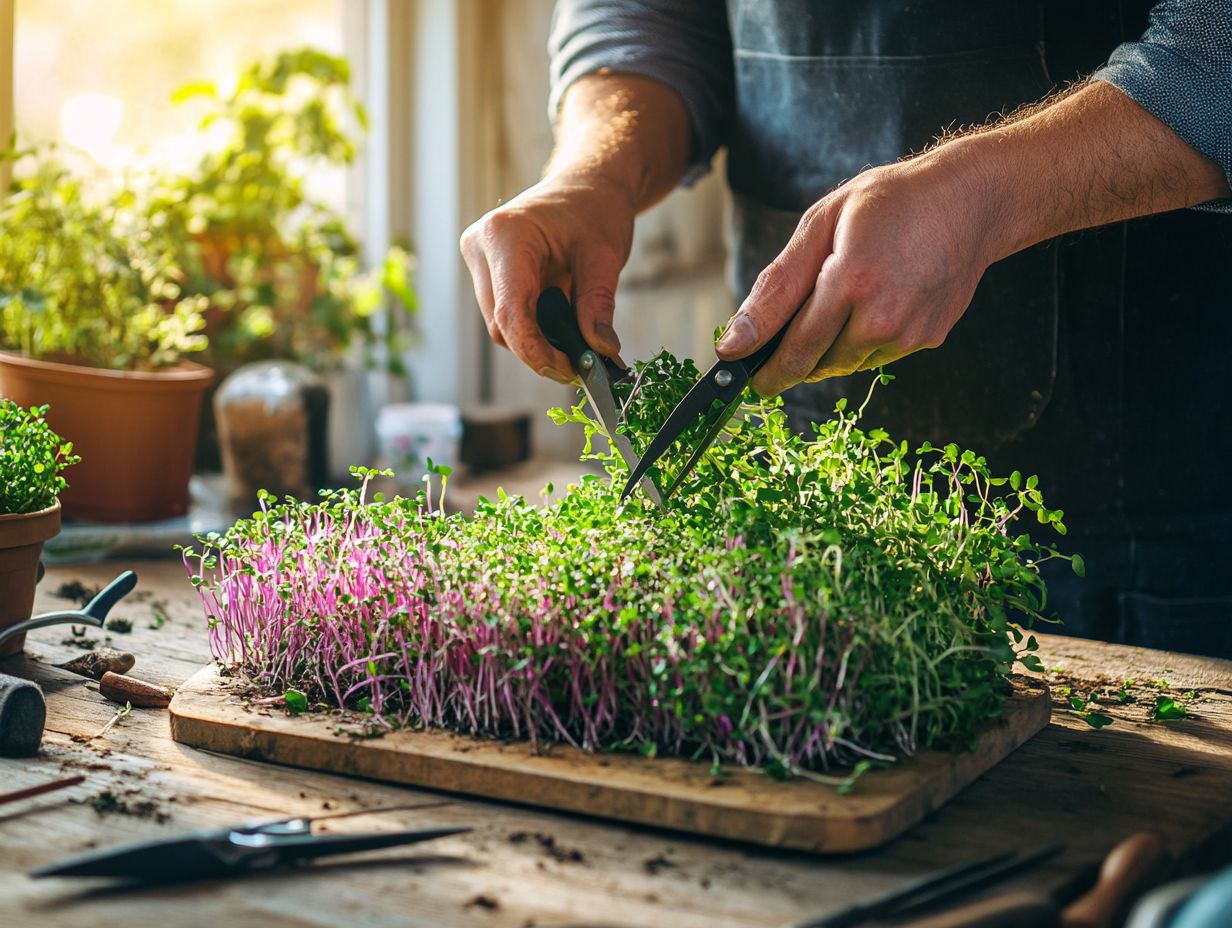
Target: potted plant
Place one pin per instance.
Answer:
(95, 322)
(282, 275)
(32, 457)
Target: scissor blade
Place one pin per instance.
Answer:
(150, 860)
(308, 847)
(688, 411)
(720, 422)
(598, 389)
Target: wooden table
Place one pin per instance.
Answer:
(521, 867)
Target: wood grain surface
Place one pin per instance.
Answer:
(522, 867)
(741, 805)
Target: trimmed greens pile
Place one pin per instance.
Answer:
(805, 606)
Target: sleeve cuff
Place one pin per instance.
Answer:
(688, 51)
(1195, 104)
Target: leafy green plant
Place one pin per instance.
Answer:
(84, 279)
(806, 604)
(281, 271)
(32, 459)
(1167, 709)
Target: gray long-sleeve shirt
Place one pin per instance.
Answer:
(1180, 69)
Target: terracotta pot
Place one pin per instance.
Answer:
(136, 432)
(21, 542)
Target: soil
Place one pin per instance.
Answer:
(108, 803)
(549, 845)
(483, 902)
(77, 591)
(656, 865)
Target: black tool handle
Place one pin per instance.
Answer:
(757, 360)
(559, 324)
(108, 596)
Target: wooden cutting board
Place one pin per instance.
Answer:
(662, 792)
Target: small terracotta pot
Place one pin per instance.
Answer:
(21, 542)
(136, 432)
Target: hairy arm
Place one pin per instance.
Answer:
(886, 264)
(1091, 158)
(639, 93)
(622, 144)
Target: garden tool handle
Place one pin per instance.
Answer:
(1134, 865)
(93, 613)
(1011, 910)
(558, 322)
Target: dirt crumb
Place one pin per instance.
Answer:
(108, 803)
(77, 591)
(483, 902)
(657, 864)
(550, 846)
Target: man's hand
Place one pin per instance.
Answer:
(886, 264)
(572, 233)
(623, 143)
(883, 266)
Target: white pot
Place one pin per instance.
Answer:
(409, 434)
(351, 439)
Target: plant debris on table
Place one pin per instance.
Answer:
(806, 605)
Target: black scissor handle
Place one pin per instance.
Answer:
(558, 322)
(757, 360)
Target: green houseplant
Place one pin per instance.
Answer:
(281, 273)
(94, 321)
(806, 606)
(32, 458)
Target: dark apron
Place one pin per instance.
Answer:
(1089, 359)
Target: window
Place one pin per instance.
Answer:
(99, 76)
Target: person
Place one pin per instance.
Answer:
(911, 176)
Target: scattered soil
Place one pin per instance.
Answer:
(549, 845)
(483, 902)
(98, 661)
(83, 642)
(108, 803)
(120, 625)
(657, 864)
(76, 591)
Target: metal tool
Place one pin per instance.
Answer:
(558, 321)
(92, 613)
(713, 399)
(23, 711)
(31, 791)
(226, 851)
(933, 889)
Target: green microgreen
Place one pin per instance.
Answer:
(808, 606)
(32, 459)
(1167, 709)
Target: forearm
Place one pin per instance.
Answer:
(625, 130)
(1091, 158)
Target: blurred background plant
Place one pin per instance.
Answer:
(282, 275)
(84, 278)
(32, 459)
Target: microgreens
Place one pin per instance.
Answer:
(805, 605)
(32, 459)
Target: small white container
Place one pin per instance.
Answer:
(408, 434)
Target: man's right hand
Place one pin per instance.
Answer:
(567, 231)
(622, 144)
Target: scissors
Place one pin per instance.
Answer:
(934, 889)
(228, 851)
(558, 322)
(714, 399)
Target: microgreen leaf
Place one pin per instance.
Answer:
(805, 606)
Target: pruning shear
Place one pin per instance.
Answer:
(227, 851)
(558, 322)
(713, 399)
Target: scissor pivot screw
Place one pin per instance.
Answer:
(587, 360)
(723, 378)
